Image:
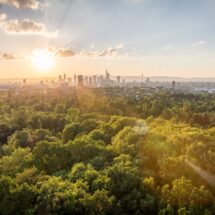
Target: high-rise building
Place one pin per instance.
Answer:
(142, 79)
(101, 80)
(86, 80)
(98, 80)
(24, 81)
(94, 80)
(80, 80)
(64, 77)
(173, 84)
(90, 81)
(107, 76)
(75, 78)
(118, 79)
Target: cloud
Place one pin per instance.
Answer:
(168, 47)
(24, 27)
(136, 1)
(110, 52)
(65, 53)
(199, 43)
(32, 4)
(3, 16)
(8, 56)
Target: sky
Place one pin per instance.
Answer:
(127, 37)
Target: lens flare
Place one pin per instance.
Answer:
(140, 127)
(205, 175)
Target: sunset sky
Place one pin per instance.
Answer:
(127, 37)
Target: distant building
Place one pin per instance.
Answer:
(90, 81)
(75, 78)
(24, 81)
(64, 77)
(118, 79)
(98, 80)
(107, 76)
(101, 81)
(142, 79)
(173, 84)
(86, 80)
(94, 80)
(80, 80)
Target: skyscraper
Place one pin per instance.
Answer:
(80, 81)
(118, 79)
(90, 81)
(75, 79)
(94, 80)
(107, 76)
(173, 84)
(64, 77)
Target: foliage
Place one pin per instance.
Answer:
(103, 152)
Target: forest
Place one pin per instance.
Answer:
(83, 152)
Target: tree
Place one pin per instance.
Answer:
(184, 194)
(73, 115)
(70, 132)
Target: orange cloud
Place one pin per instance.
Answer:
(32, 4)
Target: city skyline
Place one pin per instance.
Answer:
(127, 37)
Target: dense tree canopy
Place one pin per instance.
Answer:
(94, 152)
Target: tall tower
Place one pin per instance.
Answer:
(64, 77)
(75, 79)
(118, 79)
(80, 81)
(173, 84)
(90, 81)
(94, 80)
(142, 79)
(107, 76)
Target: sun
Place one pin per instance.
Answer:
(43, 60)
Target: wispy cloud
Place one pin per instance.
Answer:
(199, 43)
(168, 47)
(136, 1)
(24, 27)
(32, 4)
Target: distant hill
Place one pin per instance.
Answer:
(169, 79)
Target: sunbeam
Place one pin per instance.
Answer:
(204, 174)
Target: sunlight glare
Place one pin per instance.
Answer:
(43, 60)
